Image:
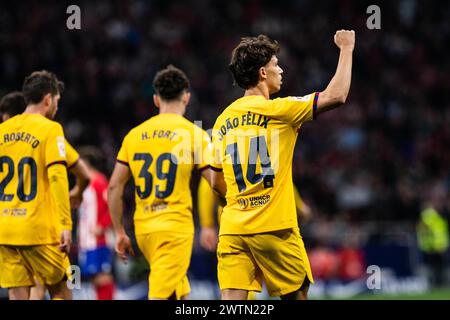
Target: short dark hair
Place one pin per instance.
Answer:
(249, 56)
(170, 83)
(40, 83)
(12, 104)
(93, 156)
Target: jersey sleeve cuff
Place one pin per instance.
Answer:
(66, 226)
(123, 162)
(204, 168)
(216, 169)
(207, 225)
(57, 162)
(314, 107)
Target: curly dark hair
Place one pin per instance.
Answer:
(249, 56)
(12, 104)
(170, 83)
(40, 83)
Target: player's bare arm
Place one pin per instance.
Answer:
(337, 90)
(208, 232)
(208, 238)
(219, 187)
(119, 178)
(81, 174)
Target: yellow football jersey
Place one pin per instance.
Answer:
(253, 143)
(206, 203)
(29, 144)
(161, 154)
(71, 155)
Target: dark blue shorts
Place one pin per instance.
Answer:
(95, 261)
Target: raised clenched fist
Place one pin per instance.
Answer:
(345, 39)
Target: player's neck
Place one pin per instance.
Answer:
(260, 90)
(35, 109)
(91, 171)
(173, 108)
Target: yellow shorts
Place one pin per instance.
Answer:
(67, 266)
(169, 256)
(20, 264)
(278, 258)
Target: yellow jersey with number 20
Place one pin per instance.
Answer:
(29, 145)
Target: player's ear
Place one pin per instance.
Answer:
(156, 101)
(47, 100)
(186, 97)
(262, 73)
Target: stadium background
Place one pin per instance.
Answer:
(366, 169)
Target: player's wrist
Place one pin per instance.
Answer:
(120, 231)
(75, 193)
(347, 49)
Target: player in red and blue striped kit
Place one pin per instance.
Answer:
(95, 256)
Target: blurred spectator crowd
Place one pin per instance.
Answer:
(380, 157)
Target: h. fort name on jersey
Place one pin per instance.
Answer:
(161, 134)
(20, 136)
(249, 119)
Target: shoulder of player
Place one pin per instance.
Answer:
(48, 122)
(4, 125)
(244, 105)
(196, 126)
(184, 124)
(68, 144)
(135, 130)
(221, 117)
(233, 110)
(50, 126)
(32, 119)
